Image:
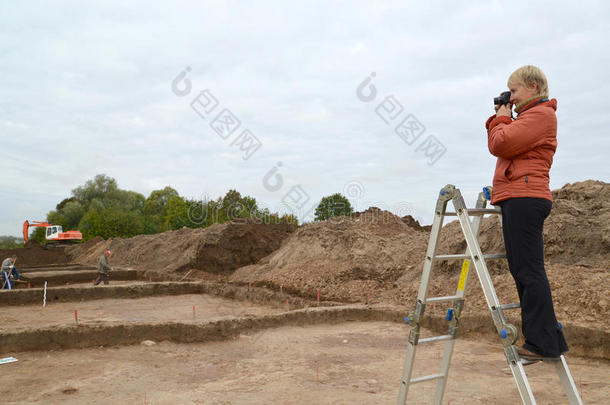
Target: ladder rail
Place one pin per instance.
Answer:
(440, 210)
(441, 385)
(523, 385)
(406, 376)
(441, 206)
(439, 214)
(489, 292)
(567, 381)
(435, 232)
(439, 392)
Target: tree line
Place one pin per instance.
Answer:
(101, 208)
(10, 242)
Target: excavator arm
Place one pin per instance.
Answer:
(26, 228)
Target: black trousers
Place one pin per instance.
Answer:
(100, 277)
(522, 221)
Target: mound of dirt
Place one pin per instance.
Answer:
(412, 222)
(577, 232)
(578, 229)
(380, 255)
(219, 248)
(32, 254)
(345, 258)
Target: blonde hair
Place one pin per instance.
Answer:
(528, 75)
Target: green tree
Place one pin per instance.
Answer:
(97, 204)
(91, 224)
(111, 222)
(100, 193)
(101, 187)
(57, 218)
(155, 209)
(100, 208)
(135, 201)
(289, 219)
(72, 212)
(39, 235)
(158, 201)
(10, 242)
(333, 206)
(177, 213)
(126, 200)
(199, 213)
(116, 222)
(150, 224)
(63, 203)
(233, 205)
(267, 217)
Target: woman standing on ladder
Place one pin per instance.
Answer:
(525, 147)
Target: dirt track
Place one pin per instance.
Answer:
(80, 293)
(348, 363)
(54, 278)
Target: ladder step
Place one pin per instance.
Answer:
(427, 378)
(510, 306)
(436, 339)
(477, 211)
(468, 257)
(440, 299)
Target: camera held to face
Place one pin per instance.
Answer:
(503, 99)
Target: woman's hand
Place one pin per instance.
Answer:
(503, 110)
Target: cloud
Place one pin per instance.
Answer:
(86, 90)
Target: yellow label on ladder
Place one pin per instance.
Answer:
(463, 275)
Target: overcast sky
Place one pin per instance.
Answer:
(96, 88)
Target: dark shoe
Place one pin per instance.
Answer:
(529, 355)
(532, 357)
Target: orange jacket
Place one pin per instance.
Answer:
(525, 149)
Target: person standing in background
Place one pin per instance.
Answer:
(103, 269)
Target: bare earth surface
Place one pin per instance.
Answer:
(178, 308)
(373, 256)
(350, 363)
(380, 255)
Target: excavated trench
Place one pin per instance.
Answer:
(56, 275)
(296, 311)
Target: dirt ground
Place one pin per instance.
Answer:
(348, 363)
(376, 256)
(68, 277)
(33, 254)
(177, 308)
(373, 256)
(379, 255)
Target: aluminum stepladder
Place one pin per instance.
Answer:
(507, 332)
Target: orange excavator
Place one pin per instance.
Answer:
(54, 233)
